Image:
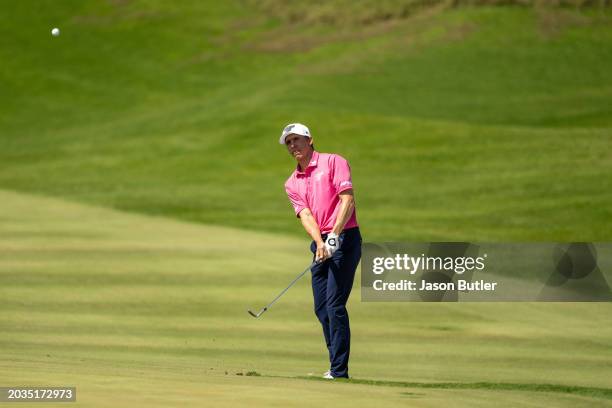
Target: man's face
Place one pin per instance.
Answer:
(298, 146)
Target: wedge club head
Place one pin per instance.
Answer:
(258, 314)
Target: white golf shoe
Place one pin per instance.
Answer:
(327, 375)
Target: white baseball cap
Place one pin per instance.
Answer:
(294, 129)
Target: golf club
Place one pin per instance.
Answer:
(256, 315)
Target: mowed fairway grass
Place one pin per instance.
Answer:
(138, 310)
(142, 209)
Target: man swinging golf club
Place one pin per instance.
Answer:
(321, 192)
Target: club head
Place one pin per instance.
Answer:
(258, 314)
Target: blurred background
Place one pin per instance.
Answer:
(461, 120)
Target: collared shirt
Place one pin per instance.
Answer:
(317, 188)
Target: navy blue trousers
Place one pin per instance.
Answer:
(332, 282)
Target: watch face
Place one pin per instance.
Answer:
(332, 242)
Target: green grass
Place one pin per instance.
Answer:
(140, 310)
(604, 393)
(142, 208)
(472, 123)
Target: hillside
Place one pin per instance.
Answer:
(487, 123)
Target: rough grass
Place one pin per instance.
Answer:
(474, 123)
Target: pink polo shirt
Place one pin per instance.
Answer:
(317, 188)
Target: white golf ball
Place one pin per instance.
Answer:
(55, 32)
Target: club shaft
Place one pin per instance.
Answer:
(297, 278)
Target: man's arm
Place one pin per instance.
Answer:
(312, 228)
(347, 205)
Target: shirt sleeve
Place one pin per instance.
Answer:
(296, 201)
(341, 178)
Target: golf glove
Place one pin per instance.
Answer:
(332, 243)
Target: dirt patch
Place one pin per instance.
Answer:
(553, 22)
(300, 37)
(366, 62)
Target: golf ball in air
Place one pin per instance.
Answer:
(55, 32)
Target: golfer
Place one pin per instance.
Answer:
(321, 192)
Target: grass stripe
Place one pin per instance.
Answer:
(595, 392)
